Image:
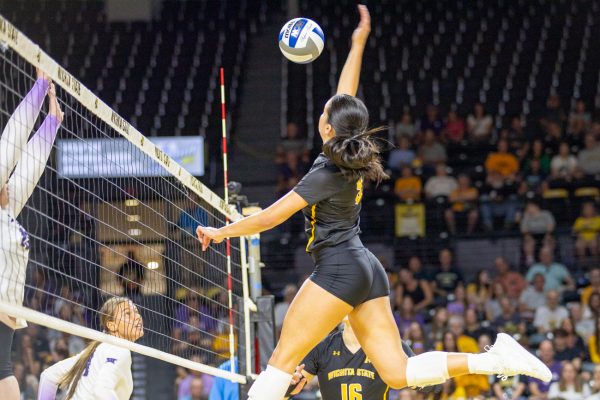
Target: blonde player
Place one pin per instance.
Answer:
(28, 159)
(102, 371)
(348, 279)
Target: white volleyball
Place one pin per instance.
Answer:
(301, 40)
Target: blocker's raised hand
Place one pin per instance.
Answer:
(361, 33)
(54, 108)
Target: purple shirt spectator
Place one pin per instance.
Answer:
(185, 313)
(184, 389)
(405, 315)
(543, 387)
(405, 322)
(546, 353)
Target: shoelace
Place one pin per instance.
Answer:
(488, 348)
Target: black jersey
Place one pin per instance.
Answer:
(332, 215)
(343, 375)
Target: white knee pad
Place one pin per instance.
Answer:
(272, 384)
(427, 369)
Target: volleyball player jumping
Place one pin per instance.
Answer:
(348, 279)
(101, 371)
(28, 159)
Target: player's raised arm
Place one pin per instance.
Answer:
(264, 220)
(15, 133)
(350, 76)
(33, 161)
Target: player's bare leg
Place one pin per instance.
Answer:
(9, 387)
(376, 330)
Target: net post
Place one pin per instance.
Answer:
(246, 304)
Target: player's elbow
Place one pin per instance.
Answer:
(49, 377)
(44, 378)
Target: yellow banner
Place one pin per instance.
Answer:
(410, 220)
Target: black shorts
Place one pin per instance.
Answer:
(6, 339)
(350, 272)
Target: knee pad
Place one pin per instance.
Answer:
(427, 369)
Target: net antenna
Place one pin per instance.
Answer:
(147, 179)
(248, 305)
(226, 196)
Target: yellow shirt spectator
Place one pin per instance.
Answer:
(587, 228)
(466, 344)
(463, 199)
(468, 386)
(408, 188)
(473, 385)
(585, 295)
(594, 354)
(504, 163)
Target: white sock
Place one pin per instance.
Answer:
(427, 369)
(271, 384)
(482, 364)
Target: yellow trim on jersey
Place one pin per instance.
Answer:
(313, 220)
(387, 389)
(359, 194)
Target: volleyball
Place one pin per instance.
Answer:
(301, 40)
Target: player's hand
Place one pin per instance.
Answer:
(39, 74)
(361, 33)
(54, 108)
(207, 235)
(299, 380)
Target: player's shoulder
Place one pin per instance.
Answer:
(324, 163)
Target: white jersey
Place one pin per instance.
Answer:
(22, 163)
(107, 376)
(14, 253)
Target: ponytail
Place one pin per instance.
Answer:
(356, 156)
(71, 379)
(352, 148)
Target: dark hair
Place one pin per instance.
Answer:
(578, 383)
(454, 338)
(352, 149)
(561, 333)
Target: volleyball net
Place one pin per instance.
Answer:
(112, 215)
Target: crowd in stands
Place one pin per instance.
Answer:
(485, 173)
